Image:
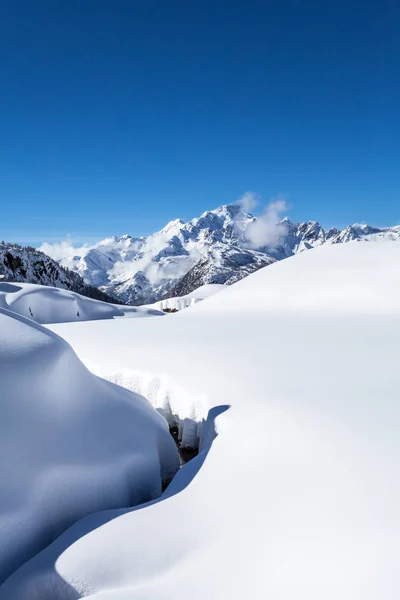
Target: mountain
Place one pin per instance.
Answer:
(28, 265)
(220, 266)
(220, 247)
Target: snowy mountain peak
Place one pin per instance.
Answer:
(229, 211)
(331, 233)
(219, 247)
(227, 214)
(173, 227)
(114, 240)
(107, 241)
(311, 230)
(225, 224)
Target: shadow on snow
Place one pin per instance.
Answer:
(49, 584)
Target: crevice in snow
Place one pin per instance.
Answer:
(40, 577)
(185, 454)
(191, 422)
(184, 411)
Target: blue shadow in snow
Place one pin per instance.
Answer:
(41, 569)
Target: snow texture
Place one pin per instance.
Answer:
(181, 302)
(45, 304)
(298, 496)
(71, 443)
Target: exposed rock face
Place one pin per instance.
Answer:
(227, 267)
(29, 265)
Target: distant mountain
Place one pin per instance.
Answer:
(217, 247)
(28, 265)
(226, 265)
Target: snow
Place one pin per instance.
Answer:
(298, 495)
(29, 265)
(142, 270)
(45, 304)
(71, 443)
(223, 246)
(320, 284)
(181, 302)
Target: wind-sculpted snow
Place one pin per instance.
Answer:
(38, 580)
(45, 304)
(70, 443)
(298, 496)
(181, 409)
(181, 302)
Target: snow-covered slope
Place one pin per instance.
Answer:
(45, 304)
(322, 281)
(70, 443)
(298, 496)
(180, 302)
(221, 246)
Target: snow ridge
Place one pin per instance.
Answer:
(55, 417)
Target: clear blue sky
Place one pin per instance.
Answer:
(119, 115)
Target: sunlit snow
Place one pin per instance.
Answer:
(296, 369)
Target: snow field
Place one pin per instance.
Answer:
(299, 495)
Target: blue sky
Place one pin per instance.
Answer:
(118, 116)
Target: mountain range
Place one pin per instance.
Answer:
(221, 246)
(29, 265)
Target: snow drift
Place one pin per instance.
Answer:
(70, 443)
(299, 495)
(181, 302)
(45, 304)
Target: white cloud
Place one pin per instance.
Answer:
(170, 268)
(144, 262)
(266, 229)
(65, 249)
(249, 201)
